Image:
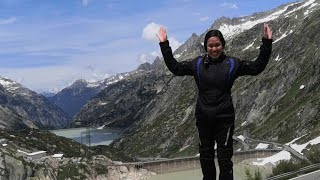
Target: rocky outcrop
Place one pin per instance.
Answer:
(99, 167)
(18, 163)
(122, 172)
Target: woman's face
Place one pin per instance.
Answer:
(214, 47)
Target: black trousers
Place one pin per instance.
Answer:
(220, 131)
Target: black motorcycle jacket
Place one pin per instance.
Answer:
(214, 77)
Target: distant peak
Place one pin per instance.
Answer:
(79, 82)
(194, 35)
(9, 84)
(145, 66)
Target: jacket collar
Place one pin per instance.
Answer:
(219, 59)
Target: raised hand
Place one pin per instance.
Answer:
(267, 33)
(162, 35)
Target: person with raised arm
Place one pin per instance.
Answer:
(214, 74)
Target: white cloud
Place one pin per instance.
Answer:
(150, 57)
(204, 18)
(144, 58)
(8, 21)
(156, 53)
(229, 5)
(97, 76)
(174, 43)
(150, 31)
(85, 2)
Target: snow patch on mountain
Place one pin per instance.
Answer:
(262, 146)
(106, 82)
(310, 3)
(283, 35)
(244, 123)
(231, 30)
(9, 85)
(241, 137)
(278, 58)
(300, 147)
(250, 45)
(283, 155)
(94, 84)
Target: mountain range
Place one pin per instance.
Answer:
(155, 109)
(72, 98)
(24, 108)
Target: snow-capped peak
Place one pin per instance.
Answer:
(231, 30)
(9, 85)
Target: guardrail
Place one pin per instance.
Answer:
(292, 174)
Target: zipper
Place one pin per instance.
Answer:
(228, 134)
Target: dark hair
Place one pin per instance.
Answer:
(214, 33)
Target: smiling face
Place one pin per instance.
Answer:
(214, 47)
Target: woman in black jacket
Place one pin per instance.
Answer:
(214, 74)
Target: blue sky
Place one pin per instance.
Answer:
(48, 44)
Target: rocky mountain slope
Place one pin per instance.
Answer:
(78, 162)
(139, 92)
(280, 104)
(21, 107)
(72, 98)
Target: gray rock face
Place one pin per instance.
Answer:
(21, 107)
(130, 95)
(2, 166)
(11, 120)
(72, 98)
(15, 168)
(157, 109)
